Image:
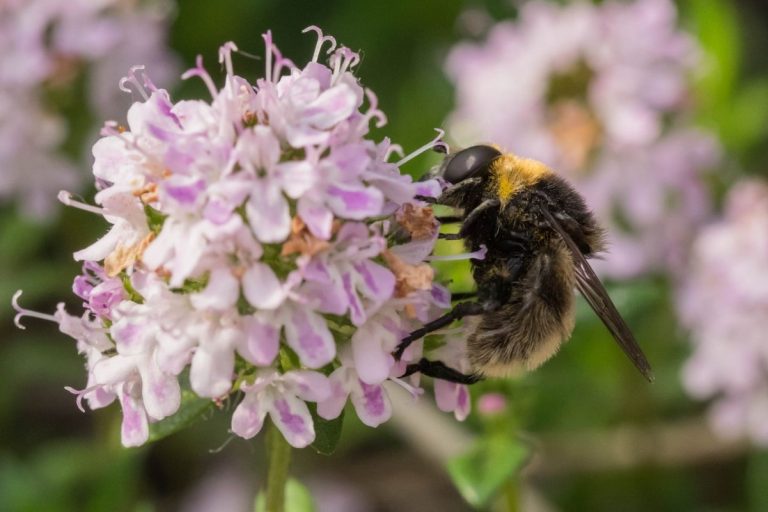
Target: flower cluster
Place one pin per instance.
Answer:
(599, 93)
(48, 47)
(724, 303)
(261, 244)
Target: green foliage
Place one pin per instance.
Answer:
(327, 432)
(192, 409)
(74, 476)
(297, 498)
(491, 463)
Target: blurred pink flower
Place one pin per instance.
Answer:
(601, 94)
(724, 304)
(249, 244)
(47, 45)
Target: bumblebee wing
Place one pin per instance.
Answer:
(597, 297)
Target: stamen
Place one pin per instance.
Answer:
(133, 79)
(476, 255)
(21, 312)
(225, 56)
(413, 390)
(268, 42)
(80, 393)
(200, 72)
(342, 60)
(66, 198)
(394, 149)
(426, 147)
(321, 39)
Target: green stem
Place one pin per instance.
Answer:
(278, 458)
(512, 495)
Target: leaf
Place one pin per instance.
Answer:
(481, 472)
(192, 409)
(717, 26)
(155, 219)
(757, 476)
(297, 498)
(327, 432)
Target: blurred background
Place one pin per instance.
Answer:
(657, 111)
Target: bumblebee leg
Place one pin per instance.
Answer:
(449, 236)
(439, 370)
(449, 219)
(475, 214)
(426, 199)
(463, 295)
(458, 312)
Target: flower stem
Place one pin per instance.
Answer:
(512, 495)
(278, 458)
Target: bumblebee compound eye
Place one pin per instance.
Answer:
(469, 162)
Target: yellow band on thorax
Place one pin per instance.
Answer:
(512, 174)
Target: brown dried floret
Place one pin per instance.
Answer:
(124, 256)
(419, 221)
(302, 241)
(147, 193)
(408, 278)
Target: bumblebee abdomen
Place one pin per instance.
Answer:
(530, 327)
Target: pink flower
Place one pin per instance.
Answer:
(247, 231)
(727, 273)
(49, 45)
(601, 94)
(283, 398)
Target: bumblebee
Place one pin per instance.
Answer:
(539, 234)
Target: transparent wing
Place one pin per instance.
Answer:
(597, 297)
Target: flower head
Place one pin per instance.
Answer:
(600, 93)
(724, 303)
(252, 245)
(48, 45)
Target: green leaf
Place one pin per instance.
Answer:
(191, 410)
(327, 432)
(757, 476)
(297, 498)
(155, 218)
(743, 124)
(480, 473)
(716, 24)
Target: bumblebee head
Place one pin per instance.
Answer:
(471, 162)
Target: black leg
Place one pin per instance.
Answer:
(449, 219)
(449, 236)
(463, 295)
(426, 199)
(458, 312)
(439, 370)
(475, 214)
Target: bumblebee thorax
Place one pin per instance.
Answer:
(511, 174)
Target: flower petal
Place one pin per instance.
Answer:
(161, 392)
(248, 418)
(376, 282)
(212, 368)
(372, 362)
(354, 202)
(260, 343)
(307, 334)
(134, 430)
(261, 287)
(371, 404)
(221, 292)
(292, 418)
(319, 219)
(308, 385)
(332, 406)
(332, 106)
(268, 214)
